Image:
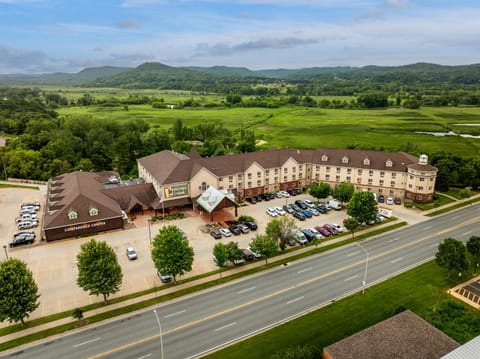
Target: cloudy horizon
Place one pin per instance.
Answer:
(45, 36)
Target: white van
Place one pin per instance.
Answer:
(335, 204)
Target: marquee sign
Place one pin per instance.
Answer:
(176, 191)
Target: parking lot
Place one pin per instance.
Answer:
(54, 264)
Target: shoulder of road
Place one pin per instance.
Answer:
(178, 287)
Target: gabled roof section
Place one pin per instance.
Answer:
(80, 192)
(168, 167)
(211, 198)
(128, 197)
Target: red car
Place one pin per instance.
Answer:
(323, 231)
(330, 228)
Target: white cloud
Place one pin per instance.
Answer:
(129, 24)
(142, 3)
(399, 3)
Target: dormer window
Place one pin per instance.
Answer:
(324, 158)
(389, 163)
(345, 159)
(72, 215)
(93, 211)
(366, 161)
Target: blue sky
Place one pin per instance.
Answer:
(38, 36)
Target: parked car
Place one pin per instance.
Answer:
(308, 234)
(309, 203)
(321, 208)
(381, 198)
(238, 261)
(184, 235)
(323, 231)
(280, 211)
(296, 208)
(22, 233)
(299, 237)
(252, 225)
(252, 200)
(307, 213)
(397, 200)
(300, 204)
(248, 255)
(165, 278)
(26, 225)
(271, 212)
(288, 208)
(317, 233)
(243, 228)
(25, 217)
(22, 240)
(389, 200)
(335, 204)
(235, 230)
(313, 211)
(225, 232)
(216, 234)
(257, 255)
(330, 228)
(284, 194)
(258, 198)
(299, 215)
(131, 254)
(338, 227)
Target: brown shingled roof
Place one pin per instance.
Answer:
(403, 336)
(130, 196)
(79, 191)
(170, 167)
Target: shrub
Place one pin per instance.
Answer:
(246, 219)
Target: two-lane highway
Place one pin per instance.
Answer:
(214, 318)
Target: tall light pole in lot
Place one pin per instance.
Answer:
(149, 230)
(5, 249)
(161, 336)
(364, 283)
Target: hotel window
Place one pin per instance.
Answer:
(220, 179)
(411, 177)
(410, 185)
(370, 173)
(328, 169)
(230, 186)
(394, 174)
(392, 192)
(337, 178)
(360, 172)
(392, 183)
(285, 170)
(359, 180)
(382, 173)
(338, 169)
(300, 167)
(294, 169)
(422, 179)
(275, 179)
(249, 176)
(389, 163)
(380, 182)
(317, 176)
(317, 167)
(324, 158)
(345, 159)
(230, 178)
(431, 179)
(249, 184)
(327, 177)
(93, 211)
(72, 215)
(349, 170)
(259, 174)
(240, 184)
(259, 182)
(284, 178)
(267, 172)
(380, 190)
(420, 188)
(240, 175)
(294, 177)
(276, 171)
(366, 162)
(204, 186)
(370, 181)
(300, 175)
(267, 181)
(349, 179)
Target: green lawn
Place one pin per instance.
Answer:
(308, 128)
(420, 290)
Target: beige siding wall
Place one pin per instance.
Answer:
(202, 179)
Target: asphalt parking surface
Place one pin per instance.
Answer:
(54, 264)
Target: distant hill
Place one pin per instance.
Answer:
(223, 79)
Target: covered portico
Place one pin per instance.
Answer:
(213, 199)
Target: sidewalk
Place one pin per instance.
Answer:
(171, 289)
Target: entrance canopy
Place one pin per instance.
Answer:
(213, 199)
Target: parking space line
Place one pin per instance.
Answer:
(246, 290)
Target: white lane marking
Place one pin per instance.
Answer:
(466, 233)
(246, 290)
(350, 278)
(226, 326)
(393, 240)
(428, 227)
(294, 300)
(145, 356)
(87, 342)
(304, 270)
(174, 314)
(353, 254)
(456, 217)
(434, 245)
(396, 260)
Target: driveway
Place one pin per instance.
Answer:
(54, 264)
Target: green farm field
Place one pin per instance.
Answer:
(307, 128)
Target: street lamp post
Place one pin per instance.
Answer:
(149, 230)
(5, 249)
(161, 336)
(364, 283)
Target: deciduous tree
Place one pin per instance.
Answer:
(280, 230)
(351, 224)
(363, 207)
(451, 255)
(98, 269)
(18, 291)
(172, 253)
(320, 191)
(264, 246)
(344, 191)
(473, 247)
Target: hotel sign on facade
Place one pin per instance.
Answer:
(176, 191)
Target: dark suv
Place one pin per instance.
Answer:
(301, 204)
(20, 240)
(252, 225)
